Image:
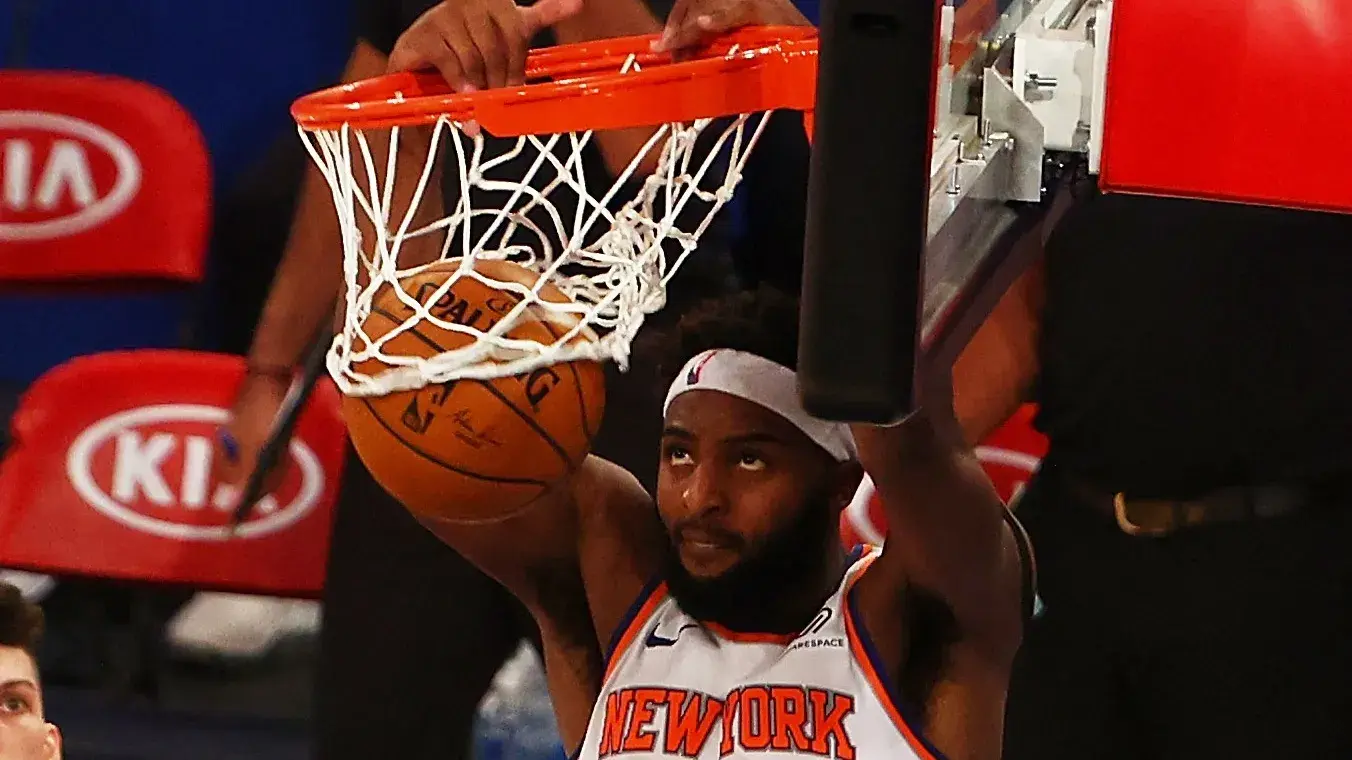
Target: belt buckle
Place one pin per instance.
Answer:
(1126, 525)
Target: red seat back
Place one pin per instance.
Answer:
(104, 178)
(110, 475)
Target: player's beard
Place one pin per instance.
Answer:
(751, 595)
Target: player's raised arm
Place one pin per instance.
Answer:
(598, 524)
(577, 558)
(951, 536)
(952, 573)
(948, 535)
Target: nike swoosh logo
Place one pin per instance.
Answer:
(654, 640)
(658, 641)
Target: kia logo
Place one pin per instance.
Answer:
(150, 470)
(60, 175)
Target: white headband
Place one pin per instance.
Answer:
(766, 384)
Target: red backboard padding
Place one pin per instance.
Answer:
(1236, 100)
(103, 178)
(109, 475)
(1010, 457)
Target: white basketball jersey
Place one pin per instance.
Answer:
(677, 688)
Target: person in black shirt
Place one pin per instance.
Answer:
(412, 633)
(1192, 517)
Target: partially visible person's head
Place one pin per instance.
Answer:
(750, 487)
(25, 733)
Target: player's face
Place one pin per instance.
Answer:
(747, 499)
(24, 733)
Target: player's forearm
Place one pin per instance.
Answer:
(604, 19)
(945, 518)
(309, 277)
(306, 283)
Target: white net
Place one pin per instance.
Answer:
(611, 250)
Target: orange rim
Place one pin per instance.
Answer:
(753, 69)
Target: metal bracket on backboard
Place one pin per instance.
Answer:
(1003, 112)
(969, 186)
(1101, 31)
(1040, 90)
(1059, 70)
(944, 83)
(979, 165)
(1036, 79)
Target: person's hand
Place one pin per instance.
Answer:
(477, 44)
(251, 420)
(695, 22)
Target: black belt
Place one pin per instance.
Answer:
(1162, 517)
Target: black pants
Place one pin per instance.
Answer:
(1230, 642)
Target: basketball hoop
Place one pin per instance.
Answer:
(612, 256)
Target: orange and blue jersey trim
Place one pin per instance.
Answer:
(633, 622)
(903, 713)
(749, 637)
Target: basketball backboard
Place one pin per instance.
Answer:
(910, 220)
(1250, 96)
(911, 188)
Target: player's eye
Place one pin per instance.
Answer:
(749, 460)
(13, 703)
(676, 454)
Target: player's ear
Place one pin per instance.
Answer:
(51, 745)
(845, 479)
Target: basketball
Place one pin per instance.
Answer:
(474, 450)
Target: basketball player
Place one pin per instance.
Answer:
(24, 733)
(723, 619)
